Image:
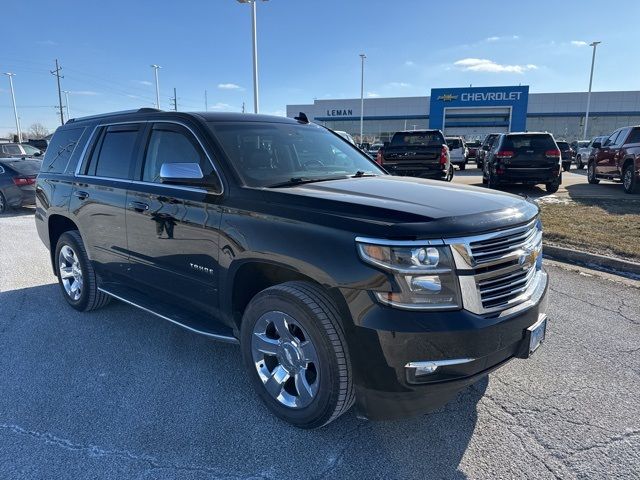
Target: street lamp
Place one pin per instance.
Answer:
(362, 57)
(593, 61)
(255, 51)
(66, 97)
(15, 110)
(156, 68)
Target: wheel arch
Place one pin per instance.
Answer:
(57, 224)
(250, 277)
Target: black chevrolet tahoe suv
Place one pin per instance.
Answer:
(342, 284)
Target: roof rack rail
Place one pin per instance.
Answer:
(148, 110)
(112, 114)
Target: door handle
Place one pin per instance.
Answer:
(138, 206)
(81, 195)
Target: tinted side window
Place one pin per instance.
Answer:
(113, 157)
(62, 145)
(170, 143)
(612, 139)
(634, 137)
(12, 150)
(622, 137)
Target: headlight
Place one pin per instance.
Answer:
(424, 275)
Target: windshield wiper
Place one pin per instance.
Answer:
(360, 173)
(302, 180)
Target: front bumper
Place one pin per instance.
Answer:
(386, 339)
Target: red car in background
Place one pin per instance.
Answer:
(618, 159)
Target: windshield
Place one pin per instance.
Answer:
(266, 154)
(25, 167)
(454, 143)
(30, 150)
(563, 145)
(427, 139)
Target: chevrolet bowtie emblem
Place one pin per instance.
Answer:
(448, 97)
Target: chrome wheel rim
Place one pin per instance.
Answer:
(70, 272)
(286, 359)
(627, 179)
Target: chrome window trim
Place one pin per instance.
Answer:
(144, 122)
(137, 182)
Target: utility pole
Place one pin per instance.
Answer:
(362, 57)
(593, 61)
(254, 37)
(155, 68)
(174, 100)
(242, 107)
(206, 104)
(66, 97)
(15, 110)
(56, 73)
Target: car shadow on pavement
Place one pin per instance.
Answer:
(150, 397)
(18, 212)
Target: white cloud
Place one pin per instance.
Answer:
(223, 107)
(144, 82)
(372, 95)
(579, 43)
(398, 84)
(229, 86)
(277, 113)
(84, 92)
(409, 63)
(498, 39)
(47, 42)
(485, 65)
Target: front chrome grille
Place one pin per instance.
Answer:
(501, 269)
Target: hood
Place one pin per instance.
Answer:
(406, 207)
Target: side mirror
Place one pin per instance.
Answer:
(597, 145)
(37, 154)
(485, 148)
(386, 144)
(181, 173)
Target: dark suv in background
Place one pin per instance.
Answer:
(481, 153)
(618, 158)
(566, 153)
(528, 158)
(342, 284)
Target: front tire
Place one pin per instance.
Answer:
(579, 164)
(295, 352)
(76, 276)
(591, 174)
(629, 180)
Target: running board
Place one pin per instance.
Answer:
(192, 322)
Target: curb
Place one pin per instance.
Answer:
(593, 260)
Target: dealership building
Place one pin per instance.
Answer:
(475, 111)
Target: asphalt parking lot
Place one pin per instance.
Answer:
(574, 185)
(119, 393)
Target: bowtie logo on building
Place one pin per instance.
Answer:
(448, 97)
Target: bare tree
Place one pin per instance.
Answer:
(37, 131)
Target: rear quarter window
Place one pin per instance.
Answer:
(58, 154)
(634, 136)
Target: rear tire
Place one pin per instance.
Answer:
(566, 167)
(289, 320)
(492, 182)
(76, 276)
(553, 187)
(463, 166)
(579, 164)
(591, 174)
(449, 174)
(3, 203)
(629, 180)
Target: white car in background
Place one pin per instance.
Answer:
(458, 152)
(346, 136)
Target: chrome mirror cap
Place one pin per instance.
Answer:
(181, 171)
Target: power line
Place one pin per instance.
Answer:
(56, 73)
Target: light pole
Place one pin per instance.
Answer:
(156, 68)
(362, 57)
(66, 98)
(15, 110)
(593, 61)
(254, 36)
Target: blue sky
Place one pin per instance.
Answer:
(307, 49)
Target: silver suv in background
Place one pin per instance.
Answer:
(458, 152)
(583, 154)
